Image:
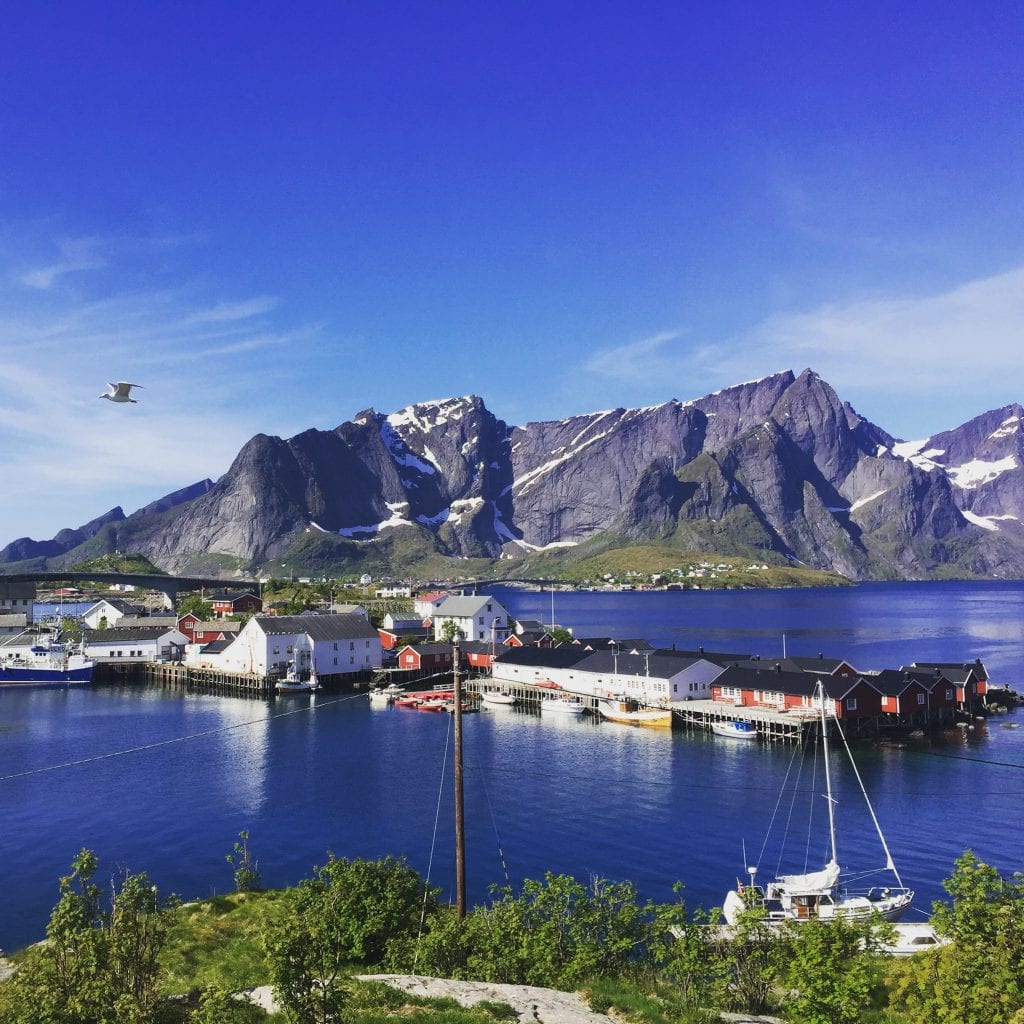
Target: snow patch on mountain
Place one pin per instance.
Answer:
(985, 522)
(1009, 426)
(912, 452)
(977, 472)
(400, 451)
(861, 502)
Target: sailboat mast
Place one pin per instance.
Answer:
(828, 773)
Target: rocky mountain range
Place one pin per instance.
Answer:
(779, 468)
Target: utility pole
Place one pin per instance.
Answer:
(460, 825)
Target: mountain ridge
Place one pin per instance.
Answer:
(780, 467)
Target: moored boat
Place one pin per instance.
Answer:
(734, 730)
(563, 705)
(380, 698)
(47, 663)
(498, 698)
(821, 895)
(631, 712)
(294, 683)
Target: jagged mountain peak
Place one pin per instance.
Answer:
(780, 464)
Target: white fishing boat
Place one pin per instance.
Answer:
(47, 663)
(380, 698)
(498, 698)
(563, 705)
(822, 894)
(734, 730)
(630, 712)
(294, 683)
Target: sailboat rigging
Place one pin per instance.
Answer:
(821, 895)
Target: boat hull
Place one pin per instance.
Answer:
(732, 731)
(28, 675)
(562, 707)
(626, 714)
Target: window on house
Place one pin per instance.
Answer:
(290, 648)
(920, 698)
(481, 620)
(352, 660)
(335, 646)
(335, 661)
(949, 695)
(851, 703)
(351, 645)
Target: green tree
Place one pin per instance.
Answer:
(560, 635)
(70, 629)
(831, 969)
(247, 870)
(349, 911)
(200, 608)
(99, 964)
(556, 933)
(749, 952)
(684, 952)
(449, 631)
(979, 977)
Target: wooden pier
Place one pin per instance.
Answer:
(773, 726)
(207, 680)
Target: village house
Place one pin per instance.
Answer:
(478, 654)
(650, 677)
(915, 696)
(17, 599)
(333, 644)
(426, 658)
(425, 605)
(529, 638)
(138, 644)
(205, 632)
(773, 689)
(241, 602)
(12, 623)
(395, 629)
(476, 618)
(970, 679)
(108, 612)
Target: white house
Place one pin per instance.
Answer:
(334, 644)
(655, 677)
(477, 618)
(142, 643)
(396, 591)
(12, 623)
(109, 613)
(425, 605)
(17, 599)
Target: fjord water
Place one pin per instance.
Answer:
(163, 781)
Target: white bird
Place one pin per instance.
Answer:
(120, 392)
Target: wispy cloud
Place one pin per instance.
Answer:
(66, 456)
(635, 360)
(967, 339)
(74, 254)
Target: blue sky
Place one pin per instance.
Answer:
(275, 216)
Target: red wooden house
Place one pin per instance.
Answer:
(243, 602)
(795, 692)
(426, 657)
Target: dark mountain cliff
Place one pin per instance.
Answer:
(779, 468)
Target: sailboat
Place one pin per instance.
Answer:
(821, 895)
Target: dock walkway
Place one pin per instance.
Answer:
(772, 725)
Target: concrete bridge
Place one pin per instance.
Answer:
(169, 585)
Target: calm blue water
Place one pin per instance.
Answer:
(310, 774)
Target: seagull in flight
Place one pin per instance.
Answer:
(120, 392)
